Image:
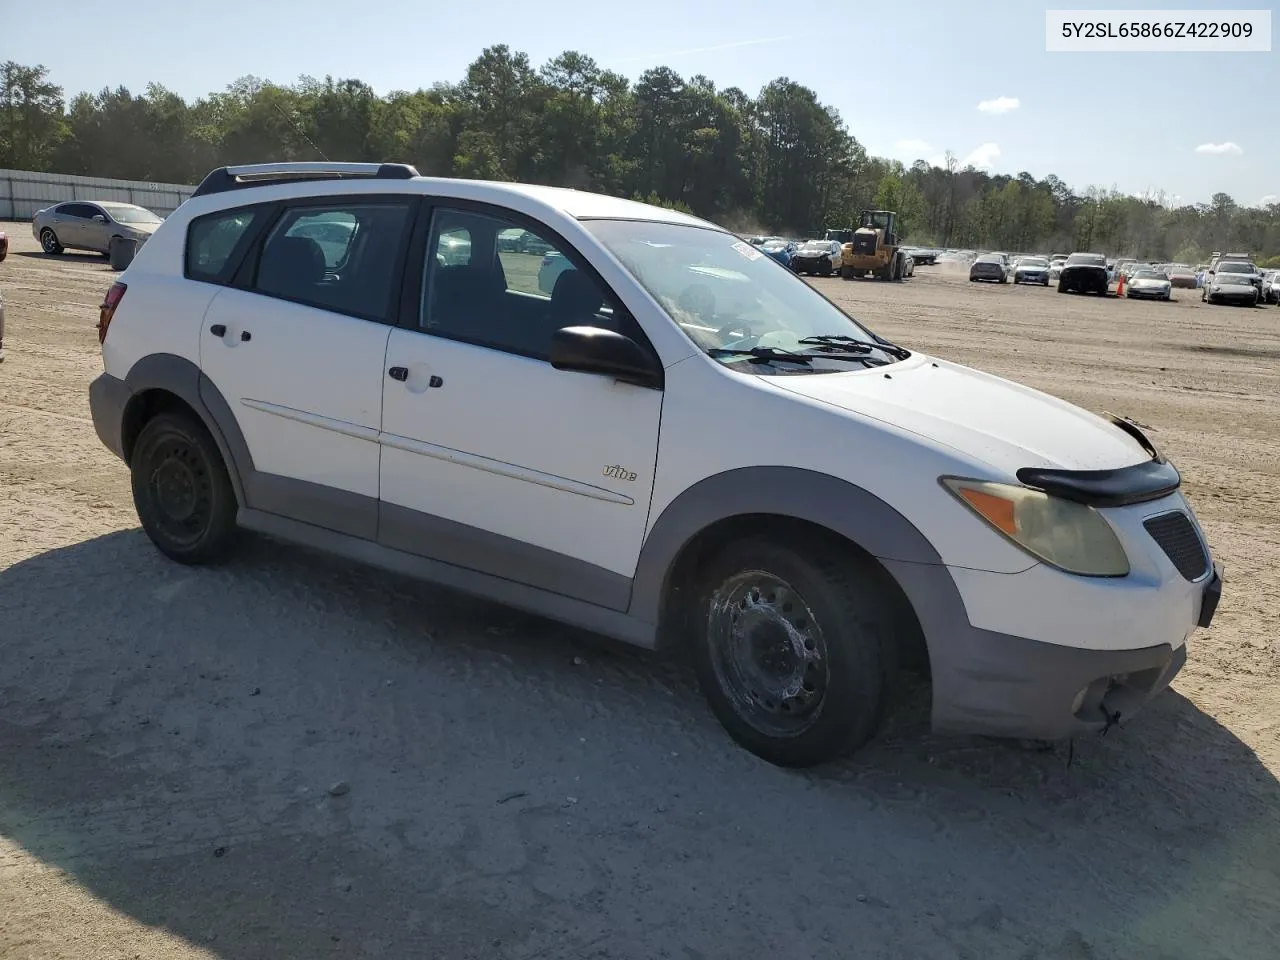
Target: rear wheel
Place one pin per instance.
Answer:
(181, 490)
(791, 650)
(49, 242)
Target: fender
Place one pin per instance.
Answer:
(182, 378)
(818, 498)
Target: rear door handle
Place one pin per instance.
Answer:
(218, 329)
(399, 373)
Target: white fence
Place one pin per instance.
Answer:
(23, 192)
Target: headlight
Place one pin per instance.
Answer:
(1070, 536)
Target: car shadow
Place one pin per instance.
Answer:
(66, 255)
(285, 756)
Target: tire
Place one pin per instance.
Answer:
(175, 459)
(49, 242)
(846, 273)
(792, 650)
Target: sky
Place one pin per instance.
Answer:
(910, 80)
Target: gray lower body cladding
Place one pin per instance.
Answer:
(983, 682)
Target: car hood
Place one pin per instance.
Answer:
(1004, 424)
(147, 228)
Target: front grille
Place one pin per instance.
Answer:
(1177, 537)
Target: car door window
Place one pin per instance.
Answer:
(495, 284)
(212, 240)
(343, 257)
(80, 211)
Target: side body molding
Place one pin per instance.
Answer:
(182, 378)
(792, 492)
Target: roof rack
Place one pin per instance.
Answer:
(262, 174)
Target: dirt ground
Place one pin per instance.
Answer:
(169, 737)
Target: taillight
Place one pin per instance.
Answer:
(108, 309)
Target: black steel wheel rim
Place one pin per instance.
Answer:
(48, 241)
(179, 488)
(768, 653)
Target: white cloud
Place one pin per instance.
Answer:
(999, 105)
(1219, 148)
(1269, 198)
(982, 157)
(912, 148)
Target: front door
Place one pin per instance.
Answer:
(494, 460)
(297, 351)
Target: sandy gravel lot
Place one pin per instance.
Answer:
(168, 737)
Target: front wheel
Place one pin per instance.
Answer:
(49, 242)
(181, 490)
(792, 650)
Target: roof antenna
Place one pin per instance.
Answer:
(297, 128)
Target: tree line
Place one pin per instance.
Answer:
(780, 162)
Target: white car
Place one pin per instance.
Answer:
(1148, 284)
(549, 269)
(683, 444)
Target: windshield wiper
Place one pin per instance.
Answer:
(771, 354)
(760, 354)
(855, 345)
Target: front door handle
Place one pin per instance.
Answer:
(399, 373)
(218, 329)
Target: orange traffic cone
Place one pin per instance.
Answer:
(1120, 286)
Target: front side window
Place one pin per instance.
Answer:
(734, 302)
(342, 258)
(494, 284)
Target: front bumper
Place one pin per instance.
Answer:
(1235, 296)
(1140, 294)
(1056, 655)
(108, 398)
(1031, 278)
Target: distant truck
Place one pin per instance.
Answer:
(873, 248)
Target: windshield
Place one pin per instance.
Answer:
(775, 245)
(1033, 262)
(1235, 267)
(816, 246)
(723, 292)
(1147, 275)
(1088, 259)
(131, 214)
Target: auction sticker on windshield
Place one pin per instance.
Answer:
(747, 250)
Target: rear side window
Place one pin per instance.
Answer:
(212, 239)
(345, 257)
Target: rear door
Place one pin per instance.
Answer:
(71, 224)
(296, 347)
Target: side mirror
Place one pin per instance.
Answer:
(100, 218)
(597, 350)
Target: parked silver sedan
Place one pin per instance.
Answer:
(79, 225)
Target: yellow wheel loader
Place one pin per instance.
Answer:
(872, 248)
